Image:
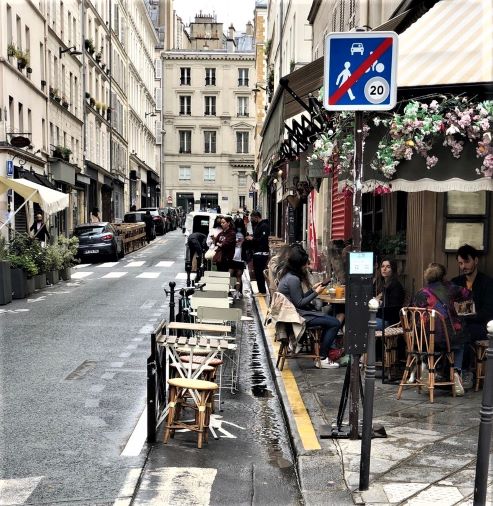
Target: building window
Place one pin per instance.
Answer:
(184, 173)
(209, 174)
(210, 106)
(242, 204)
(185, 141)
(209, 141)
(185, 105)
(185, 79)
(210, 77)
(242, 142)
(242, 77)
(242, 106)
(242, 180)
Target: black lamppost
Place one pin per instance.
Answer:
(485, 426)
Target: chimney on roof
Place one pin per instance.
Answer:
(231, 31)
(249, 28)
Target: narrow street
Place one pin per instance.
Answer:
(73, 391)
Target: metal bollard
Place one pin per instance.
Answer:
(485, 426)
(364, 468)
(172, 285)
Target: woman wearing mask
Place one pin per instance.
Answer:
(293, 276)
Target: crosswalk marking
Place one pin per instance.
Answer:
(135, 264)
(81, 275)
(165, 263)
(148, 275)
(108, 264)
(114, 274)
(183, 275)
(81, 266)
(178, 485)
(17, 491)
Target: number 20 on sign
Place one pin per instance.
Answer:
(360, 71)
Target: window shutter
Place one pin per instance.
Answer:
(158, 98)
(158, 68)
(157, 131)
(341, 213)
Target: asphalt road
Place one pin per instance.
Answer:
(73, 383)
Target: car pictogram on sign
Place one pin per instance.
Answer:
(357, 47)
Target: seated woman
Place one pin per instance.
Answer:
(440, 295)
(290, 285)
(389, 292)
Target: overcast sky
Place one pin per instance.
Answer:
(238, 12)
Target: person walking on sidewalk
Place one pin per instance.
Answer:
(293, 276)
(225, 245)
(38, 228)
(259, 243)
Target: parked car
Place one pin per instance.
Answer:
(96, 239)
(159, 220)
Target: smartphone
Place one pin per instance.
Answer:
(325, 282)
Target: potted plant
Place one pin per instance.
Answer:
(98, 106)
(108, 113)
(22, 59)
(65, 102)
(58, 152)
(66, 152)
(29, 70)
(5, 280)
(92, 101)
(53, 263)
(68, 249)
(89, 45)
(11, 50)
(98, 57)
(22, 254)
(88, 95)
(43, 83)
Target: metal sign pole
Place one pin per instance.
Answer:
(354, 382)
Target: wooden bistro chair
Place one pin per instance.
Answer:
(480, 348)
(178, 389)
(419, 326)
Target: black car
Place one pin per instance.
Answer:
(96, 239)
(157, 218)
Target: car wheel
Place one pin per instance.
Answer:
(114, 254)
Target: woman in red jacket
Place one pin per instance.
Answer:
(225, 245)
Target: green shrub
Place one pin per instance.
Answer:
(68, 250)
(24, 262)
(54, 260)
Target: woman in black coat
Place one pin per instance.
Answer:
(389, 292)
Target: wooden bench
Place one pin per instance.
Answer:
(133, 235)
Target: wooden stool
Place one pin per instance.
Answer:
(312, 338)
(390, 338)
(203, 391)
(480, 348)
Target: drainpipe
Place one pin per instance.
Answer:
(84, 88)
(110, 5)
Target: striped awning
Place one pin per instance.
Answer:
(452, 43)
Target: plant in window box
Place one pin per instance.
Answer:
(22, 59)
(98, 57)
(103, 65)
(29, 70)
(108, 113)
(89, 45)
(98, 106)
(92, 101)
(22, 254)
(11, 50)
(87, 95)
(54, 263)
(65, 101)
(66, 152)
(58, 152)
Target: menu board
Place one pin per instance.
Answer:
(466, 203)
(458, 233)
(361, 263)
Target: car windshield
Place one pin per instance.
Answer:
(90, 230)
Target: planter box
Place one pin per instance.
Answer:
(40, 281)
(52, 277)
(29, 286)
(5, 283)
(18, 279)
(66, 274)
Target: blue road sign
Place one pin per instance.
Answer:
(10, 168)
(360, 71)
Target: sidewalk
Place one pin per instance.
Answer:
(429, 456)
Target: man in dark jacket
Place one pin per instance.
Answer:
(482, 291)
(39, 229)
(197, 245)
(149, 222)
(260, 246)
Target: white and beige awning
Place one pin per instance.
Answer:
(452, 43)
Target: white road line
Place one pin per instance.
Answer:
(137, 439)
(116, 364)
(18, 490)
(114, 274)
(146, 329)
(127, 490)
(135, 264)
(148, 275)
(81, 266)
(183, 275)
(108, 264)
(124, 355)
(81, 275)
(43, 297)
(165, 263)
(178, 485)
(148, 304)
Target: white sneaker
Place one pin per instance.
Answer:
(326, 363)
(459, 389)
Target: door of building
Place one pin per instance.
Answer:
(186, 201)
(208, 201)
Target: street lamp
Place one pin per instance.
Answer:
(72, 50)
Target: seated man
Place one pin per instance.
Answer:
(481, 286)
